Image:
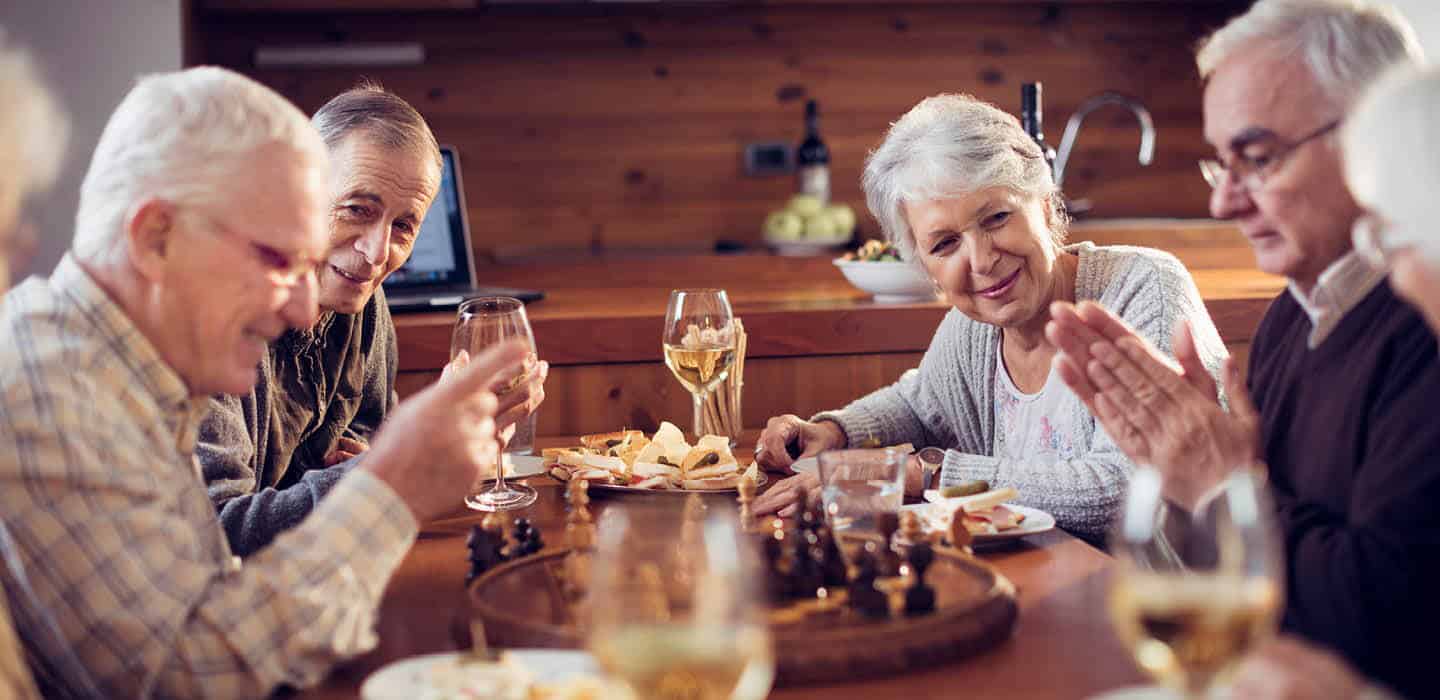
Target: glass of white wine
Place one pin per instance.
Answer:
(676, 617)
(1193, 592)
(480, 323)
(699, 343)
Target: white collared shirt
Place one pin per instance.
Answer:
(1338, 289)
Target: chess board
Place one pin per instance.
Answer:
(531, 603)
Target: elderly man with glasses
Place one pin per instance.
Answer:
(200, 228)
(1344, 375)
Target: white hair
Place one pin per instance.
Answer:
(33, 130)
(1345, 44)
(947, 146)
(1392, 156)
(180, 137)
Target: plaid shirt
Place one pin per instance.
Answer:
(103, 497)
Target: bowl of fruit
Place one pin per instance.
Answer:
(876, 268)
(807, 226)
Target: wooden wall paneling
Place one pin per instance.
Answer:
(621, 127)
(599, 398)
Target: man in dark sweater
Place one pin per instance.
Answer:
(270, 455)
(1343, 374)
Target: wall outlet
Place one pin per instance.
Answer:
(769, 158)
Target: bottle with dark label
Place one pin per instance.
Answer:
(1032, 119)
(813, 158)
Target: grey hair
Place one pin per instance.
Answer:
(180, 137)
(1345, 44)
(33, 130)
(949, 145)
(1392, 156)
(380, 115)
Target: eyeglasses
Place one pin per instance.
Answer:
(1256, 158)
(282, 268)
(1369, 238)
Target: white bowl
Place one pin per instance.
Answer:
(889, 281)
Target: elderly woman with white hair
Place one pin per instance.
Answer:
(964, 193)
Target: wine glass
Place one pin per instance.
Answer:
(481, 323)
(699, 343)
(1193, 592)
(677, 616)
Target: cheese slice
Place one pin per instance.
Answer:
(651, 453)
(985, 501)
(649, 469)
(714, 470)
(614, 465)
(712, 484)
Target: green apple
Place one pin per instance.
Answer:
(821, 227)
(805, 205)
(784, 225)
(843, 216)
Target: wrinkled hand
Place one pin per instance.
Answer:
(1288, 669)
(783, 498)
(442, 441)
(783, 433)
(520, 392)
(345, 448)
(1158, 414)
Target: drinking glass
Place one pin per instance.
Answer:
(676, 616)
(1193, 592)
(699, 343)
(481, 323)
(857, 487)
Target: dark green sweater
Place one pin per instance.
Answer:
(263, 453)
(1351, 433)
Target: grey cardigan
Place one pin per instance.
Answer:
(948, 401)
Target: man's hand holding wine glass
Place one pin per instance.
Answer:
(457, 418)
(519, 391)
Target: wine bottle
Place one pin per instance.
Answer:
(1032, 119)
(813, 158)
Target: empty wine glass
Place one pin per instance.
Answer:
(481, 323)
(673, 612)
(699, 343)
(1193, 592)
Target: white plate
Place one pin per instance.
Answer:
(1036, 521)
(525, 465)
(413, 679)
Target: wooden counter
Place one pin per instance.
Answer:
(815, 341)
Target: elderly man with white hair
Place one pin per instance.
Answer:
(32, 139)
(200, 229)
(1343, 373)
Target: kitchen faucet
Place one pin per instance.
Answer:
(1072, 129)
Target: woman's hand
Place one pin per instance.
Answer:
(783, 498)
(788, 438)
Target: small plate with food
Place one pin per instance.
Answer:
(986, 516)
(520, 674)
(628, 460)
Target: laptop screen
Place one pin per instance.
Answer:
(441, 251)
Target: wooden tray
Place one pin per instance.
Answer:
(523, 605)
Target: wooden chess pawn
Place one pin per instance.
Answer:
(864, 597)
(745, 493)
(579, 525)
(920, 597)
(887, 561)
(831, 561)
(485, 552)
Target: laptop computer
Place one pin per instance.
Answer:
(441, 270)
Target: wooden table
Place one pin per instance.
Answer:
(1062, 646)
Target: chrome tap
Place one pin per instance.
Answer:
(1072, 129)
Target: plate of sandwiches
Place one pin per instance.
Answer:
(628, 460)
(988, 516)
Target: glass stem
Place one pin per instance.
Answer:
(500, 485)
(699, 398)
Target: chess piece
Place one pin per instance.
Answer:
(776, 583)
(910, 529)
(887, 562)
(807, 516)
(920, 597)
(484, 552)
(532, 543)
(832, 562)
(579, 525)
(520, 538)
(805, 576)
(864, 597)
(745, 493)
